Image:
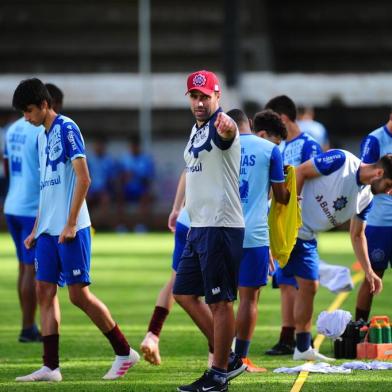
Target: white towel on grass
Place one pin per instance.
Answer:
(374, 365)
(319, 367)
(335, 278)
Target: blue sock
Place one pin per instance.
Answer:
(303, 341)
(218, 374)
(242, 347)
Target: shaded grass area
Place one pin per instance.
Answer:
(127, 272)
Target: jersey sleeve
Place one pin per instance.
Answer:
(365, 212)
(370, 150)
(276, 166)
(328, 162)
(310, 150)
(73, 142)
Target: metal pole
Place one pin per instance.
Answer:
(145, 74)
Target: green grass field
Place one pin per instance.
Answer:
(127, 272)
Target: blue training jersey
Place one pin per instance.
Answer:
(21, 151)
(299, 150)
(374, 146)
(183, 218)
(261, 164)
(57, 148)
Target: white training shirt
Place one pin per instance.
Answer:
(212, 196)
(334, 197)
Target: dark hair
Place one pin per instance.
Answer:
(386, 163)
(282, 104)
(238, 116)
(56, 94)
(30, 92)
(269, 121)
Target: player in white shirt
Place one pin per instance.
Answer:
(62, 232)
(210, 262)
(335, 187)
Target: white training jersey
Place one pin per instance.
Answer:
(212, 196)
(335, 196)
(57, 149)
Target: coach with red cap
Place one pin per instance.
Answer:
(210, 262)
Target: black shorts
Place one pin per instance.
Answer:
(210, 263)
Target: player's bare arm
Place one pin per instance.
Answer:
(81, 187)
(359, 242)
(178, 203)
(281, 193)
(303, 172)
(30, 239)
(225, 126)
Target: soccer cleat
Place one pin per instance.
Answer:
(30, 335)
(251, 367)
(150, 349)
(43, 374)
(311, 354)
(235, 367)
(208, 382)
(281, 348)
(121, 365)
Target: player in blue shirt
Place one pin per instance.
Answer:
(62, 232)
(379, 224)
(296, 149)
(21, 206)
(261, 168)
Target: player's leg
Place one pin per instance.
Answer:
(288, 290)
(75, 263)
(379, 240)
(20, 228)
(47, 275)
(164, 303)
(165, 300)
(188, 288)
(253, 274)
(304, 264)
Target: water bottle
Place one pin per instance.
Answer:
(362, 333)
(386, 332)
(375, 333)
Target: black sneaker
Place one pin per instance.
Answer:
(208, 382)
(281, 348)
(30, 335)
(235, 367)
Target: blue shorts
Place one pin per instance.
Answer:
(303, 261)
(20, 227)
(278, 278)
(66, 263)
(379, 240)
(179, 243)
(210, 263)
(254, 267)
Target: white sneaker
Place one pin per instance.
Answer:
(43, 374)
(150, 349)
(121, 365)
(310, 354)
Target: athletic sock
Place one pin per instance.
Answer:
(242, 347)
(218, 374)
(303, 341)
(361, 314)
(118, 341)
(51, 351)
(287, 335)
(157, 319)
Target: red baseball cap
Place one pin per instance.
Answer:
(205, 81)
